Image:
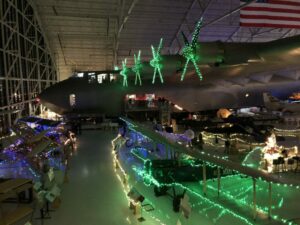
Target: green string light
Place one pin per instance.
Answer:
(150, 180)
(237, 194)
(148, 177)
(156, 62)
(189, 52)
(137, 68)
(124, 73)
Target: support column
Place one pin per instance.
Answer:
(219, 181)
(254, 199)
(204, 178)
(3, 12)
(270, 200)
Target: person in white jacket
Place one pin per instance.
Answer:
(190, 135)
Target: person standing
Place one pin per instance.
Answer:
(216, 139)
(190, 135)
(200, 140)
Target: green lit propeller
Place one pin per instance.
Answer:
(137, 68)
(156, 62)
(124, 73)
(189, 51)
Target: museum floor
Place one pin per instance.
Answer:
(93, 195)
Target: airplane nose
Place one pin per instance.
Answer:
(53, 98)
(46, 96)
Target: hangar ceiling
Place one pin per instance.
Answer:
(98, 34)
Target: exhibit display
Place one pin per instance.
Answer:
(153, 112)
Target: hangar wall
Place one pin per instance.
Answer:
(26, 65)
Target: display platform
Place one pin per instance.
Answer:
(156, 172)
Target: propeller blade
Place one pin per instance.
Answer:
(124, 72)
(196, 32)
(153, 51)
(185, 40)
(159, 46)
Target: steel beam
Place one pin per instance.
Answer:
(121, 26)
(182, 22)
(228, 14)
(25, 60)
(204, 10)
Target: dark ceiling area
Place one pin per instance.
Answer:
(92, 35)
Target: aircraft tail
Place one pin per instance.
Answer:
(271, 102)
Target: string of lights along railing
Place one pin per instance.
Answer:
(235, 194)
(125, 185)
(133, 127)
(150, 180)
(147, 176)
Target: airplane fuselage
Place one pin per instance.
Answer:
(217, 62)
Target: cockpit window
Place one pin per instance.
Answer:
(98, 77)
(72, 99)
(101, 77)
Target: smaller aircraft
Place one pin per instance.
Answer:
(274, 104)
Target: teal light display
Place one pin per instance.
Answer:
(124, 73)
(137, 68)
(156, 62)
(189, 51)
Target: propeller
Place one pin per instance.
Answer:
(137, 68)
(124, 73)
(189, 51)
(156, 62)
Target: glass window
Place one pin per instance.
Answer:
(72, 99)
(101, 77)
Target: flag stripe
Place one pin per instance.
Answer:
(267, 17)
(272, 6)
(271, 13)
(252, 13)
(269, 21)
(280, 2)
(268, 25)
(269, 9)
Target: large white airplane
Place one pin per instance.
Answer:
(275, 104)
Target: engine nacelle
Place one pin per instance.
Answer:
(227, 54)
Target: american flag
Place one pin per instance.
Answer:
(271, 13)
